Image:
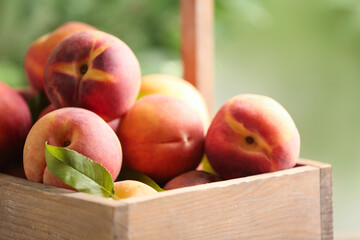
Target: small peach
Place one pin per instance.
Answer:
(132, 188)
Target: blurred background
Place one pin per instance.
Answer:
(305, 54)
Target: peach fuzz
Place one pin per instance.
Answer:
(113, 123)
(15, 123)
(191, 178)
(132, 188)
(176, 87)
(76, 129)
(39, 51)
(162, 137)
(251, 134)
(93, 70)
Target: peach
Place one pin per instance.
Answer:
(76, 129)
(191, 178)
(93, 70)
(132, 188)
(39, 51)
(15, 123)
(176, 87)
(251, 134)
(162, 137)
(113, 123)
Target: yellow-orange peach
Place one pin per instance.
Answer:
(132, 188)
(93, 70)
(176, 87)
(76, 129)
(39, 51)
(191, 178)
(15, 123)
(162, 137)
(252, 134)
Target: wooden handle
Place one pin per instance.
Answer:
(197, 46)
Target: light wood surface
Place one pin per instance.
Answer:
(281, 205)
(326, 197)
(36, 211)
(197, 46)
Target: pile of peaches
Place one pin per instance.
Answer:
(158, 125)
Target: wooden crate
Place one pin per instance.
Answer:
(289, 204)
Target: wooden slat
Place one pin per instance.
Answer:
(326, 197)
(197, 47)
(281, 205)
(36, 211)
(289, 204)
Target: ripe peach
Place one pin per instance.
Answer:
(15, 123)
(74, 128)
(132, 188)
(162, 137)
(113, 123)
(93, 70)
(39, 51)
(178, 88)
(191, 178)
(251, 134)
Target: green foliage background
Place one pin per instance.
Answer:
(304, 53)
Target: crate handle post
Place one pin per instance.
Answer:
(197, 46)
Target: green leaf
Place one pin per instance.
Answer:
(129, 174)
(79, 172)
(207, 167)
(141, 95)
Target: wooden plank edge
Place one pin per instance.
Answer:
(222, 184)
(326, 194)
(114, 212)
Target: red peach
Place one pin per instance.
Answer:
(162, 137)
(251, 134)
(15, 123)
(39, 51)
(191, 178)
(93, 70)
(113, 123)
(76, 129)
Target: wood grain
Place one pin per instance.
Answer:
(281, 205)
(36, 211)
(326, 197)
(289, 204)
(197, 46)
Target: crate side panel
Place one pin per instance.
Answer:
(326, 197)
(279, 206)
(36, 211)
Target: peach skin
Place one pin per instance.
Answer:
(132, 188)
(15, 123)
(176, 87)
(251, 134)
(191, 178)
(93, 70)
(76, 129)
(162, 137)
(39, 51)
